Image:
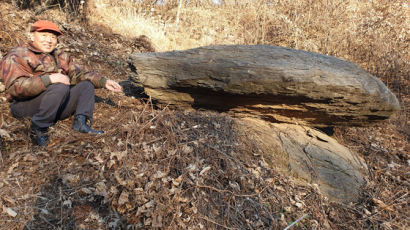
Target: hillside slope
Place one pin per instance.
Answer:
(171, 169)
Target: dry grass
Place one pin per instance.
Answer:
(331, 27)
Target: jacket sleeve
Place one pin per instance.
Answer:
(19, 79)
(78, 73)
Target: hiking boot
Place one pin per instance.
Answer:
(80, 125)
(39, 135)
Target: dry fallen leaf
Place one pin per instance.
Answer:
(9, 200)
(159, 174)
(2, 87)
(204, 170)
(187, 149)
(119, 179)
(123, 198)
(119, 155)
(30, 157)
(177, 181)
(382, 205)
(9, 211)
(12, 167)
(101, 189)
(70, 178)
(86, 190)
(157, 221)
(4, 133)
(99, 159)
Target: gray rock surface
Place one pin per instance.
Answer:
(309, 155)
(274, 83)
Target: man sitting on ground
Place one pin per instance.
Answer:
(44, 83)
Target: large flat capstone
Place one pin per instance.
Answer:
(274, 83)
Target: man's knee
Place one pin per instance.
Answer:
(86, 85)
(84, 89)
(60, 89)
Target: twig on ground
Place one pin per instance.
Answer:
(45, 220)
(209, 220)
(223, 190)
(18, 183)
(301, 218)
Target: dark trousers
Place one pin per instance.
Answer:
(57, 102)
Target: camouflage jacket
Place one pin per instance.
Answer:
(25, 71)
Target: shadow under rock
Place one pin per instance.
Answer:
(107, 101)
(131, 90)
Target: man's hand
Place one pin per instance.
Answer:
(113, 86)
(59, 78)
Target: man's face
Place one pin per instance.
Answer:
(44, 41)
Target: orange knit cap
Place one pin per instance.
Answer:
(44, 25)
